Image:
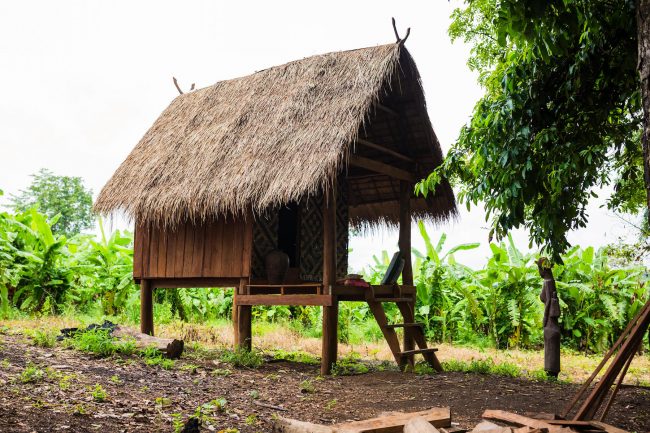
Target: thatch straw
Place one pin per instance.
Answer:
(252, 142)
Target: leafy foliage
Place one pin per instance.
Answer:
(498, 305)
(64, 196)
(562, 102)
(501, 302)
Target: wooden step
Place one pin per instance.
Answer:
(405, 325)
(416, 351)
(392, 300)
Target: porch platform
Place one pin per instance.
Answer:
(312, 294)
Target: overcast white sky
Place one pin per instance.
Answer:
(83, 80)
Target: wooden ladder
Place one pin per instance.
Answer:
(412, 329)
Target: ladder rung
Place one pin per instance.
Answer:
(392, 300)
(416, 351)
(404, 325)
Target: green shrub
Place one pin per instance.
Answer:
(349, 365)
(307, 387)
(98, 393)
(96, 341)
(242, 358)
(42, 338)
(32, 374)
(294, 356)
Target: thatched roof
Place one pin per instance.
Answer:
(274, 137)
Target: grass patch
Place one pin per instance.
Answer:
(540, 375)
(190, 368)
(423, 367)
(98, 393)
(242, 358)
(294, 356)
(43, 338)
(483, 366)
(99, 342)
(307, 387)
(32, 374)
(349, 365)
(221, 372)
(198, 351)
(154, 357)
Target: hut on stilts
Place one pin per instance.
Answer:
(288, 158)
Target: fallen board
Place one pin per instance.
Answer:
(419, 425)
(553, 426)
(513, 418)
(437, 417)
(286, 425)
(393, 423)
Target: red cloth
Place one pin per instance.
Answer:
(355, 282)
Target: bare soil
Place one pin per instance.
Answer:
(142, 398)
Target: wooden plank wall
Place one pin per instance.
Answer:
(215, 249)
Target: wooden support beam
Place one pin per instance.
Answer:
(274, 299)
(244, 329)
(405, 191)
(404, 243)
(330, 313)
(235, 318)
(384, 149)
(389, 334)
(242, 318)
(146, 307)
(380, 167)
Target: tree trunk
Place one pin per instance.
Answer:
(643, 36)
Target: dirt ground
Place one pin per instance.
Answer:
(142, 398)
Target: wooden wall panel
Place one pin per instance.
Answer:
(137, 246)
(179, 253)
(152, 269)
(213, 246)
(216, 249)
(196, 265)
(171, 253)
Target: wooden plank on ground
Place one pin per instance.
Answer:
(437, 416)
(286, 425)
(513, 418)
(606, 427)
(419, 425)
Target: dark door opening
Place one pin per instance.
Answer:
(289, 233)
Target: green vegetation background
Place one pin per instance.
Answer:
(43, 273)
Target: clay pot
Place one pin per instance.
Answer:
(277, 264)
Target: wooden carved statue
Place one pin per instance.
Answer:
(551, 318)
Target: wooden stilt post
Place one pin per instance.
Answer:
(146, 307)
(244, 330)
(235, 320)
(330, 314)
(243, 318)
(405, 248)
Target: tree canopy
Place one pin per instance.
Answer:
(58, 195)
(561, 115)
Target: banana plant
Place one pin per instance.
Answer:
(40, 260)
(443, 299)
(105, 268)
